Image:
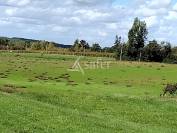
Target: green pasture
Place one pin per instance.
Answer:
(39, 95)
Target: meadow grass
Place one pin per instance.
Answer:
(39, 94)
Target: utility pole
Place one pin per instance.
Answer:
(140, 56)
(46, 47)
(121, 51)
(84, 51)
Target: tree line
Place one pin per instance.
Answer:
(136, 48)
(19, 44)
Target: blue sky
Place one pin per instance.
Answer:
(93, 20)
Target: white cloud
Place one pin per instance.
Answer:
(4, 22)
(91, 14)
(10, 11)
(102, 33)
(147, 12)
(112, 26)
(59, 28)
(23, 2)
(95, 20)
(172, 16)
(76, 20)
(18, 2)
(175, 7)
(151, 21)
(158, 3)
(59, 10)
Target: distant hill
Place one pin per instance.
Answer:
(62, 45)
(33, 40)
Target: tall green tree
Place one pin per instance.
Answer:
(4, 43)
(81, 45)
(96, 47)
(167, 50)
(157, 52)
(137, 37)
(118, 47)
(153, 51)
(76, 45)
(84, 44)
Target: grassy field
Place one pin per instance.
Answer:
(39, 95)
